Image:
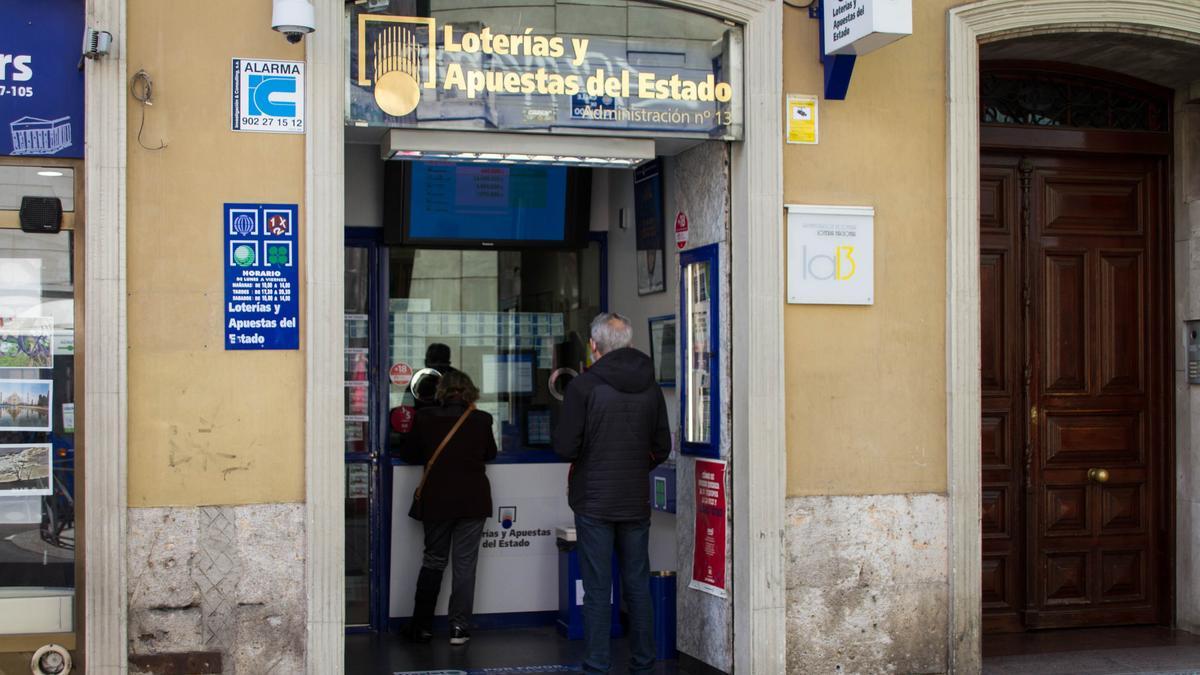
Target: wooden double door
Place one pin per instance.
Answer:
(1076, 369)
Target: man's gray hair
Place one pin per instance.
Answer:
(611, 331)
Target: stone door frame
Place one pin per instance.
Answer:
(968, 26)
(757, 275)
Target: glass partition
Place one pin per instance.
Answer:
(508, 319)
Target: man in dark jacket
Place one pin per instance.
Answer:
(614, 429)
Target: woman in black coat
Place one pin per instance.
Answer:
(456, 501)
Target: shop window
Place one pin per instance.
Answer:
(38, 385)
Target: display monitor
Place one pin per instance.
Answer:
(476, 205)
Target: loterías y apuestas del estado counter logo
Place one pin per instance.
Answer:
(398, 56)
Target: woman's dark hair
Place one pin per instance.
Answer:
(457, 385)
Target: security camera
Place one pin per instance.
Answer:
(293, 18)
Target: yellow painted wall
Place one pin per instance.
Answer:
(206, 426)
(866, 386)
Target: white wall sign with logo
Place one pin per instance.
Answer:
(268, 96)
(831, 255)
(862, 26)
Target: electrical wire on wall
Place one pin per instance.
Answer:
(141, 88)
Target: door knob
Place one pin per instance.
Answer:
(1098, 475)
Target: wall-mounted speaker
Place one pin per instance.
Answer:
(41, 214)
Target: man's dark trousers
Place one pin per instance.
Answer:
(595, 541)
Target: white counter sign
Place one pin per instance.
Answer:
(831, 255)
(861, 26)
(268, 96)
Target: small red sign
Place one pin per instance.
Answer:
(681, 230)
(400, 374)
(402, 419)
(708, 561)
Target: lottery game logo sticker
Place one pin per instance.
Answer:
(243, 253)
(243, 222)
(507, 517)
(278, 223)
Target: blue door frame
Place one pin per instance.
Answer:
(377, 456)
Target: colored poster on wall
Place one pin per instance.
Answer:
(708, 560)
(261, 281)
(41, 87)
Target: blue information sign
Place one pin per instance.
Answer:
(262, 310)
(41, 86)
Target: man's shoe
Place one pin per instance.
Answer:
(459, 636)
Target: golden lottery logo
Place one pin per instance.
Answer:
(396, 60)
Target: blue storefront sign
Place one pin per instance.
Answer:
(41, 86)
(262, 310)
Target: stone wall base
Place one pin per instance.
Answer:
(867, 584)
(224, 579)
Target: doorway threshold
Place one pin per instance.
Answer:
(1140, 650)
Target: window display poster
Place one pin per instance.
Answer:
(26, 342)
(708, 559)
(25, 469)
(25, 405)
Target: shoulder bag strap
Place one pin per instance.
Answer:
(440, 448)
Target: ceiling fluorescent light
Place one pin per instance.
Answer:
(563, 149)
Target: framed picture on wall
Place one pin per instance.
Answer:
(662, 349)
(699, 344)
(648, 222)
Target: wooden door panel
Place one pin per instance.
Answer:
(995, 192)
(1093, 204)
(1122, 576)
(995, 512)
(1064, 315)
(1066, 578)
(1122, 509)
(1066, 511)
(1002, 380)
(1092, 439)
(995, 442)
(1122, 316)
(994, 280)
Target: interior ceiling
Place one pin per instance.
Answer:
(1164, 62)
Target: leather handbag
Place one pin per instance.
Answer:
(417, 510)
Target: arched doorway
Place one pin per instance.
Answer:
(1075, 302)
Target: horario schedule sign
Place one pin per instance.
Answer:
(262, 310)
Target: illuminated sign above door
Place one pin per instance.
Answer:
(435, 73)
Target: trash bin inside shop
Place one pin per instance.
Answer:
(570, 590)
(662, 596)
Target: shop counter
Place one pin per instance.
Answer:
(518, 561)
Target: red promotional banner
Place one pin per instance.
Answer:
(708, 561)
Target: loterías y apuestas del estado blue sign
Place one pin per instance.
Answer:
(622, 68)
(41, 86)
